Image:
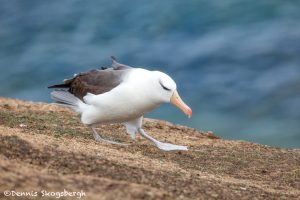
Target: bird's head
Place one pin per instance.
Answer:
(167, 92)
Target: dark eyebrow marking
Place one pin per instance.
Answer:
(168, 89)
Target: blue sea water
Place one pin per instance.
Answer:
(236, 62)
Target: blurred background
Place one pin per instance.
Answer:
(236, 63)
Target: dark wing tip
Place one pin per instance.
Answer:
(59, 86)
(113, 58)
(51, 86)
(118, 66)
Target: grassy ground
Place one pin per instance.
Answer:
(45, 147)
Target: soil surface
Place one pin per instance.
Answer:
(44, 149)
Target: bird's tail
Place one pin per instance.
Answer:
(65, 98)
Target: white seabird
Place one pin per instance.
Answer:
(120, 94)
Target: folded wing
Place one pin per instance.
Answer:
(95, 81)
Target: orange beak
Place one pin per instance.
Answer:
(177, 101)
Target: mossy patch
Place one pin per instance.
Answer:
(58, 124)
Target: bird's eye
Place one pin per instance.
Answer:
(164, 87)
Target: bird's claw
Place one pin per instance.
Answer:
(162, 145)
(170, 147)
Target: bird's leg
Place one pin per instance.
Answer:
(161, 145)
(100, 139)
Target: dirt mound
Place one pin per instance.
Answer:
(44, 150)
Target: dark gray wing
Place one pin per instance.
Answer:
(96, 81)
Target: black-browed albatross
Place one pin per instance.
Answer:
(120, 94)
